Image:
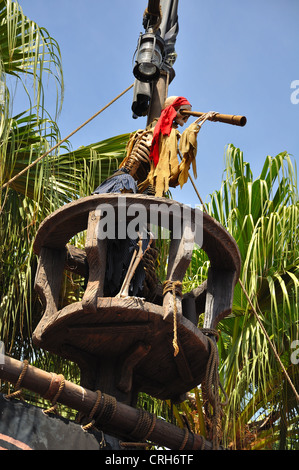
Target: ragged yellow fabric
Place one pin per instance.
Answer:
(169, 172)
(188, 150)
(166, 172)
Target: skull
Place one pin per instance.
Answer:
(180, 119)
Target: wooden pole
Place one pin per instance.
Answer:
(159, 95)
(227, 118)
(124, 421)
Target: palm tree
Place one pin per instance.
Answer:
(262, 215)
(25, 49)
(28, 55)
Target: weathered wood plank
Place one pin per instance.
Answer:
(117, 327)
(48, 282)
(180, 254)
(194, 302)
(220, 291)
(96, 251)
(58, 228)
(132, 358)
(76, 260)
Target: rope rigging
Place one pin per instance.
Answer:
(105, 407)
(28, 167)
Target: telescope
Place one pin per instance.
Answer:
(227, 118)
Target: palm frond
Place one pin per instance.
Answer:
(262, 215)
(29, 51)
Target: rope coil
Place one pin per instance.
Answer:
(93, 411)
(18, 390)
(210, 332)
(145, 425)
(53, 408)
(185, 439)
(109, 405)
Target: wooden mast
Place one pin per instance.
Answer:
(160, 87)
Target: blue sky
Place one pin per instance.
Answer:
(233, 57)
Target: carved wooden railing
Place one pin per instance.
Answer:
(131, 336)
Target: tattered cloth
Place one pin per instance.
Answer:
(164, 125)
(166, 170)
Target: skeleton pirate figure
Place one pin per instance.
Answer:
(151, 164)
(150, 167)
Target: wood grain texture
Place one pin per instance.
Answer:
(121, 423)
(116, 329)
(96, 252)
(58, 228)
(124, 345)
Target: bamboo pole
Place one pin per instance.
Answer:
(125, 419)
(227, 118)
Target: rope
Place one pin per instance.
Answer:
(107, 409)
(210, 331)
(270, 342)
(154, 14)
(18, 391)
(202, 119)
(203, 443)
(185, 439)
(198, 195)
(145, 425)
(257, 317)
(93, 411)
(8, 183)
(53, 408)
(176, 288)
(210, 389)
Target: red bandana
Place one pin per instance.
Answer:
(164, 125)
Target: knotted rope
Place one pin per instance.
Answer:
(176, 288)
(157, 15)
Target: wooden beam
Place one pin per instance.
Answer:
(96, 252)
(159, 95)
(124, 419)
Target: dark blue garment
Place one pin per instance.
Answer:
(118, 183)
(120, 252)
